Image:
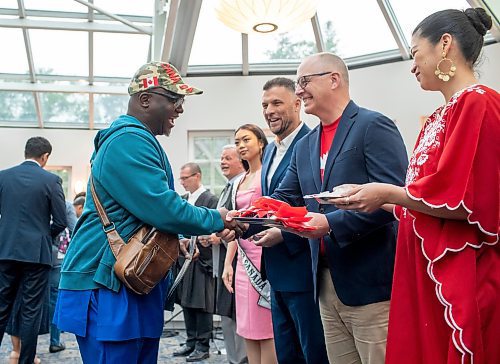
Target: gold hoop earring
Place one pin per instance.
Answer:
(445, 76)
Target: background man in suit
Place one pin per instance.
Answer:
(352, 253)
(197, 290)
(29, 198)
(231, 167)
(78, 203)
(298, 332)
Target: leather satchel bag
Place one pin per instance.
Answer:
(147, 256)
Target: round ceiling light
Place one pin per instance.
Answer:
(264, 16)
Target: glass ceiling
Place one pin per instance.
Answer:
(69, 61)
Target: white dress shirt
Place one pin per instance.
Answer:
(281, 149)
(192, 197)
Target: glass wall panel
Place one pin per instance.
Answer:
(108, 107)
(13, 59)
(65, 54)
(119, 55)
(65, 108)
(410, 16)
(214, 43)
(205, 149)
(18, 107)
(9, 4)
(56, 5)
(355, 28)
(127, 7)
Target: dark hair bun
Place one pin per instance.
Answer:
(479, 19)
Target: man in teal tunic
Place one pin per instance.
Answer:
(134, 182)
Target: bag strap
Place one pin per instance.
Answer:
(114, 239)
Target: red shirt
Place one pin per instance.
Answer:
(327, 135)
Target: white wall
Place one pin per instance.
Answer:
(231, 101)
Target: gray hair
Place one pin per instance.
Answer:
(229, 146)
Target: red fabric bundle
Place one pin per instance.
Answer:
(269, 208)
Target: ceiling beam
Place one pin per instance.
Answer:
(169, 30)
(16, 77)
(318, 36)
(244, 54)
(91, 68)
(60, 25)
(189, 12)
(31, 64)
(159, 20)
(114, 16)
(397, 32)
(73, 15)
(48, 87)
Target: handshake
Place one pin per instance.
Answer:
(232, 228)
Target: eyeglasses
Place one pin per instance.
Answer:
(186, 177)
(177, 101)
(303, 81)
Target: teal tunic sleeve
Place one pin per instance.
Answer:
(138, 180)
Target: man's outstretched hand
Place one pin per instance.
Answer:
(232, 228)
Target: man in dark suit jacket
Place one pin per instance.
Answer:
(197, 290)
(29, 198)
(352, 253)
(298, 332)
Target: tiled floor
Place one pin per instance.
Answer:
(72, 356)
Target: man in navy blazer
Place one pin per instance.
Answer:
(29, 198)
(352, 253)
(298, 332)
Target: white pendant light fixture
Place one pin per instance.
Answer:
(265, 16)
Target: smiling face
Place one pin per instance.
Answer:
(425, 59)
(248, 145)
(281, 109)
(230, 163)
(161, 111)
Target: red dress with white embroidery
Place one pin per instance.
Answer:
(445, 305)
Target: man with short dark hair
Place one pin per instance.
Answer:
(298, 332)
(29, 198)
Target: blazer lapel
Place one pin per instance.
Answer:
(346, 122)
(266, 164)
(314, 143)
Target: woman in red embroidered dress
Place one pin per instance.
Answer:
(444, 306)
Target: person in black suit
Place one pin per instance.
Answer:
(197, 291)
(352, 253)
(298, 332)
(29, 198)
(231, 167)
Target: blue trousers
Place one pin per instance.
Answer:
(55, 276)
(136, 351)
(297, 327)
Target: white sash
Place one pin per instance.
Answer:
(262, 287)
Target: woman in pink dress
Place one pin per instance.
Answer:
(444, 306)
(253, 322)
